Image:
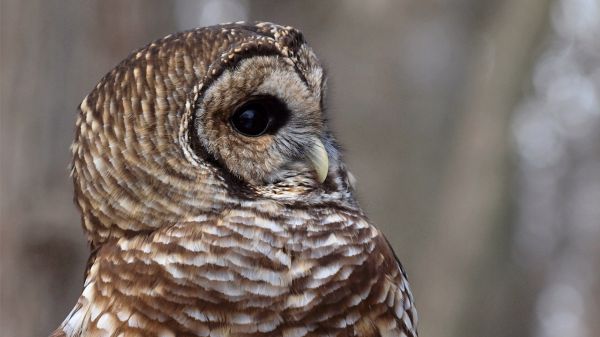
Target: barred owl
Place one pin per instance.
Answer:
(216, 202)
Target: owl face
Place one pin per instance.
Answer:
(200, 121)
(262, 121)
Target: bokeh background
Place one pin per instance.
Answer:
(473, 127)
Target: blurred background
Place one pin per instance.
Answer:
(473, 127)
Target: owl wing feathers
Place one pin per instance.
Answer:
(398, 297)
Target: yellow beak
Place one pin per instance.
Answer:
(319, 159)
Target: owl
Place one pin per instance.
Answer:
(216, 202)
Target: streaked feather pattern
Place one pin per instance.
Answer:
(183, 246)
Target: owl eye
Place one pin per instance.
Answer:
(258, 116)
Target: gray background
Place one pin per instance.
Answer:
(472, 126)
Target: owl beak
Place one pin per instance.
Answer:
(319, 159)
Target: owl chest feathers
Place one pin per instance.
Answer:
(254, 271)
(248, 255)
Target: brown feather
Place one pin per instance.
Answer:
(197, 230)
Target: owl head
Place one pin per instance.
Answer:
(202, 121)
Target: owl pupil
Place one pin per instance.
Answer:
(252, 121)
(258, 116)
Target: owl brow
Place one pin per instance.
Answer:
(232, 60)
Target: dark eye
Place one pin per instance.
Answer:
(259, 116)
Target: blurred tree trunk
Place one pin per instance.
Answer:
(52, 54)
(461, 262)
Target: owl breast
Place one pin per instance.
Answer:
(250, 272)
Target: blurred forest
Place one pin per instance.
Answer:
(473, 127)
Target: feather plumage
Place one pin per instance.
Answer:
(198, 231)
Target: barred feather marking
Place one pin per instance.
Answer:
(187, 241)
